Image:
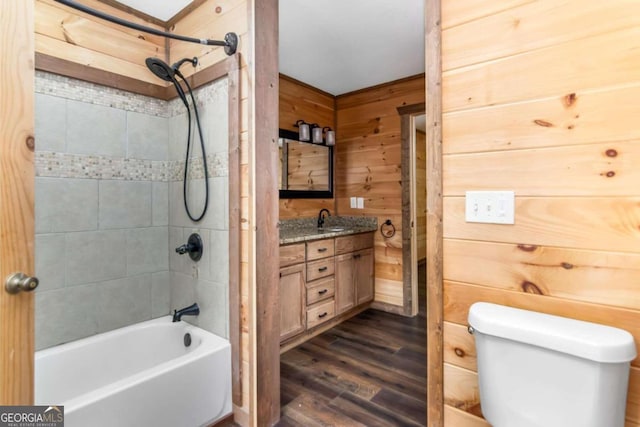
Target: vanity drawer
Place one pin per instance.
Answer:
(346, 244)
(321, 313)
(320, 290)
(321, 268)
(291, 254)
(320, 249)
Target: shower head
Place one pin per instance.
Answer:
(161, 69)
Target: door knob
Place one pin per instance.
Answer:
(20, 282)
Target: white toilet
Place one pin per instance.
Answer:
(538, 370)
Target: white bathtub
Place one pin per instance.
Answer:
(140, 375)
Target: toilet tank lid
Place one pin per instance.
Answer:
(591, 341)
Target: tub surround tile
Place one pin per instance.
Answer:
(160, 294)
(123, 302)
(50, 261)
(125, 204)
(183, 291)
(95, 256)
(95, 129)
(160, 203)
(147, 250)
(177, 262)
(147, 137)
(50, 123)
(64, 315)
(66, 205)
(218, 254)
(214, 312)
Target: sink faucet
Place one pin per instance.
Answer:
(321, 218)
(192, 310)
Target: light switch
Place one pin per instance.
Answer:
(360, 203)
(492, 207)
(354, 203)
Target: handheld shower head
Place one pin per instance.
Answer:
(160, 69)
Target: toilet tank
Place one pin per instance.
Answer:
(538, 370)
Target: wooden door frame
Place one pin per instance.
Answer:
(435, 300)
(17, 177)
(407, 142)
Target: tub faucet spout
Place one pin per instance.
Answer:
(192, 310)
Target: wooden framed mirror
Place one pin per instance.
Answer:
(306, 169)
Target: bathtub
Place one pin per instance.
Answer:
(140, 375)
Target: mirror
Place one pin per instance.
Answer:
(306, 169)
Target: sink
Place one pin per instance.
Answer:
(331, 229)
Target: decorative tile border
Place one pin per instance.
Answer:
(62, 165)
(78, 90)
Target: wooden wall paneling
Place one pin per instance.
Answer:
(17, 231)
(76, 30)
(570, 119)
(530, 27)
(300, 101)
(511, 77)
(457, 418)
(266, 350)
(459, 347)
(599, 223)
(114, 11)
(368, 158)
(602, 277)
(530, 112)
(211, 20)
(605, 169)
(459, 12)
(461, 389)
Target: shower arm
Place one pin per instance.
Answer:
(230, 42)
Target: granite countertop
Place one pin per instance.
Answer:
(306, 229)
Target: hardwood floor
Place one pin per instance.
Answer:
(368, 371)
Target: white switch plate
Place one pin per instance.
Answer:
(491, 207)
(360, 203)
(354, 204)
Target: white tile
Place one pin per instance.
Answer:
(219, 256)
(147, 137)
(125, 204)
(178, 127)
(94, 256)
(216, 125)
(50, 123)
(183, 291)
(214, 312)
(50, 261)
(65, 204)
(147, 250)
(95, 129)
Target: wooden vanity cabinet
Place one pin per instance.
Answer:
(292, 291)
(321, 279)
(354, 271)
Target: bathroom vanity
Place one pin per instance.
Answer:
(325, 277)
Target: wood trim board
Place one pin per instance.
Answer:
(435, 354)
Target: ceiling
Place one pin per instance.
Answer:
(338, 45)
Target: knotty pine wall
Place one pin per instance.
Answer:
(65, 33)
(540, 97)
(299, 101)
(368, 165)
(421, 194)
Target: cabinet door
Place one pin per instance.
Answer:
(292, 301)
(363, 261)
(345, 285)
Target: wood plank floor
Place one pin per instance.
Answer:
(368, 371)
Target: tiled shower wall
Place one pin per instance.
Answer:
(103, 174)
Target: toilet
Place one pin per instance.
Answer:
(538, 370)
